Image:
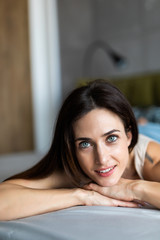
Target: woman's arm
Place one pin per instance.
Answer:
(149, 190)
(131, 190)
(18, 199)
(151, 170)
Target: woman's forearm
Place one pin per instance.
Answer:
(131, 190)
(147, 191)
(18, 202)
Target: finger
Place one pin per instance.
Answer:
(99, 189)
(95, 187)
(87, 187)
(126, 204)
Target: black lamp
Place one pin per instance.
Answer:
(118, 60)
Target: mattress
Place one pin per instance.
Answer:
(85, 223)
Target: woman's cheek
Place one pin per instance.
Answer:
(122, 155)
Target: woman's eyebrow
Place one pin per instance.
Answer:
(82, 139)
(110, 132)
(105, 134)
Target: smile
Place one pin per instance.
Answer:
(106, 172)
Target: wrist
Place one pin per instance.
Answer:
(138, 189)
(81, 196)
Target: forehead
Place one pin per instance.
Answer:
(99, 120)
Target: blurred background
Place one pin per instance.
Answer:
(48, 47)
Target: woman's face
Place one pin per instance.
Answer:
(102, 146)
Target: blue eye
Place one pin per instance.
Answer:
(84, 144)
(112, 138)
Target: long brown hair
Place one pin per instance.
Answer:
(61, 155)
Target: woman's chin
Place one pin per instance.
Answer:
(107, 183)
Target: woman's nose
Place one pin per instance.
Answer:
(101, 155)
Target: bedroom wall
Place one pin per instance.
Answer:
(132, 28)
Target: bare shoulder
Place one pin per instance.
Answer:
(55, 180)
(44, 183)
(151, 169)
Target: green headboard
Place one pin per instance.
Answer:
(140, 90)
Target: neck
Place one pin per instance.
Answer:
(130, 171)
(61, 180)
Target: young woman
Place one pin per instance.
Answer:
(94, 159)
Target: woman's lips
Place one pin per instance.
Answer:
(105, 172)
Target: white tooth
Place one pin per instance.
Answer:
(107, 170)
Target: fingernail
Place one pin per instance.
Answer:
(140, 205)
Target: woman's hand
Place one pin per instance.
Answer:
(123, 190)
(95, 198)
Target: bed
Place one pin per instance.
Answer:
(86, 223)
(77, 223)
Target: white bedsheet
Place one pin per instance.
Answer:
(86, 223)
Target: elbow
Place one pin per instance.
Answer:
(5, 210)
(5, 213)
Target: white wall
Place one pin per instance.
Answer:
(45, 69)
